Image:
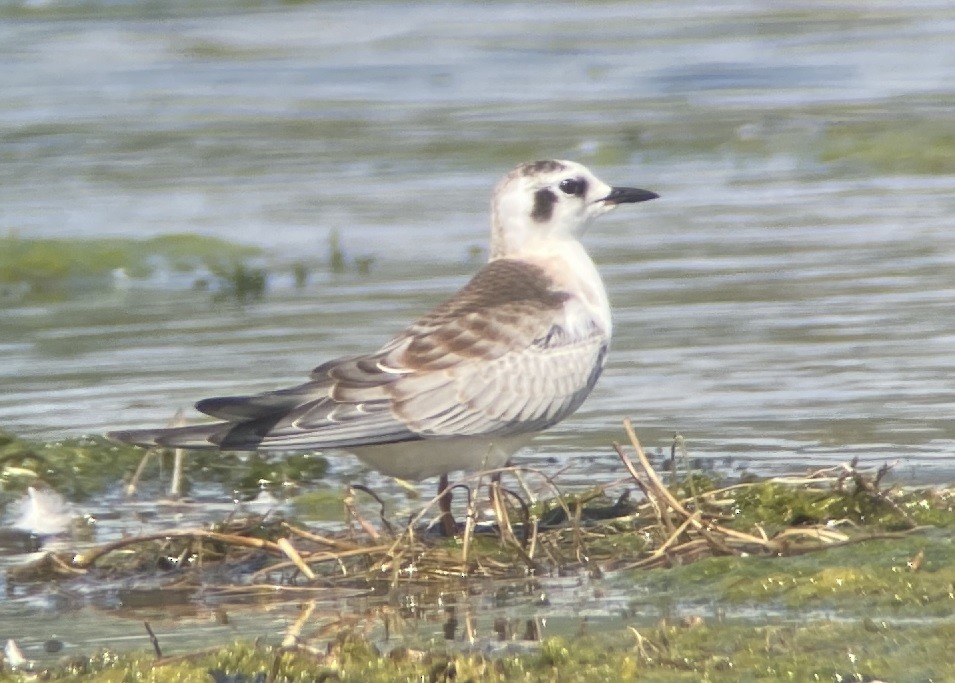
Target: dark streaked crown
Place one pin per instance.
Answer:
(535, 167)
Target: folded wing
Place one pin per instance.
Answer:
(499, 358)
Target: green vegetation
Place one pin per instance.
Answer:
(48, 264)
(773, 505)
(693, 650)
(241, 283)
(886, 137)
(895, 145)
(83, 467)
(257, 471)
(336, 255)
(75, 468)
(829, 577)
(906, 576)
(321, 504)
(61, 267)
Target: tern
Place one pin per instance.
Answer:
(463, 387)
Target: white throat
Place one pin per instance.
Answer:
(570, 267)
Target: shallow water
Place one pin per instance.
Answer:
(783, 305)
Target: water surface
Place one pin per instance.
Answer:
(788, 303)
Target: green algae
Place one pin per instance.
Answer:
(881, 606)
(897, 145)
(772, 505)
(892, 137)
(695, 650)
(82, 467)
(46, 264)
(75, 468)
(320, 505)
(257, 472)
(184, 250)
(912, 576)
(60, 268)
(240, 282)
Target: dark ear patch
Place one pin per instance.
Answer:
(544, 201)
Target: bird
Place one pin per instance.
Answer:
(470, 383)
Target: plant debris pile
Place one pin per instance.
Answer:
(670, 525)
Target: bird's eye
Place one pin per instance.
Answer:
(573, 186)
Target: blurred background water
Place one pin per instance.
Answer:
(788, 303)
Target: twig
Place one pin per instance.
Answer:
(318, 538)
(138, 474)
(470, 521)
(292, 554)
(86, 561)
(294, 631)
(381, 509)
(316, 558)
(504, 524)
(153, 639)
(676, 505)
(353, 512)
(648, 491)
(672, 539)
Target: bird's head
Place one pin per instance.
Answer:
(541, 201)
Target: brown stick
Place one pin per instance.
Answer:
(86, 561)
(663, 519)
(292, 554)
(676, 505)
(318, 538)
(153, 639)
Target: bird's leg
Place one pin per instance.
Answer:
(449, 527)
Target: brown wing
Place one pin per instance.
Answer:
(495, 359)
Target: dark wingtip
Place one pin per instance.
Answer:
(134, 437)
